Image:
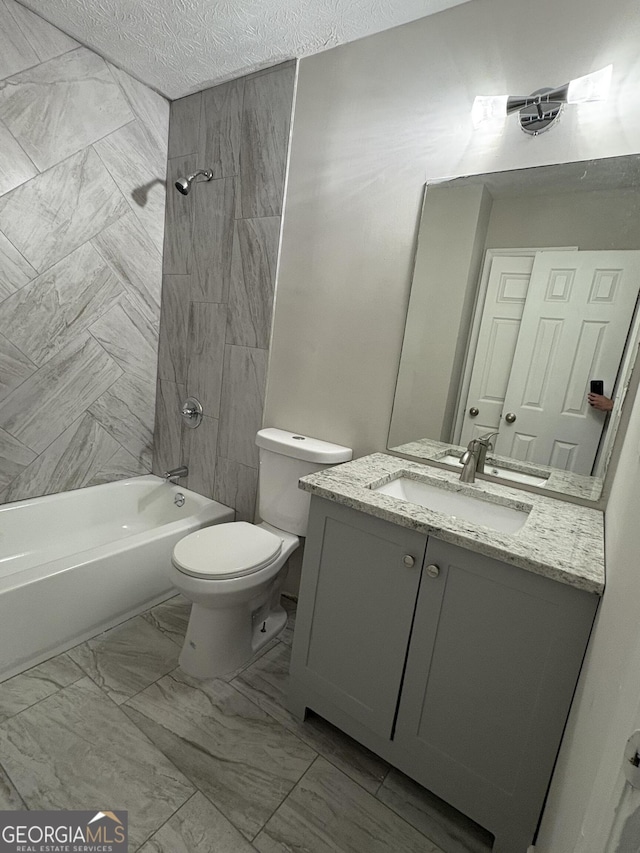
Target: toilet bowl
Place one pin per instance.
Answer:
(233, 573)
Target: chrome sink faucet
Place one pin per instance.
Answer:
(469, 461)
(485, 444)
(474, 457)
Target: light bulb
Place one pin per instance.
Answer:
(591, 87)
(488, 108)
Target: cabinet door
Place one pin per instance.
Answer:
(356, 606)
(493, 663)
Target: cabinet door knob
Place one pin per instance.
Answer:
(510, 417)
(433, 571)
(409, 561)
(474, 411)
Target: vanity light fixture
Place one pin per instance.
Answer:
(541, 108)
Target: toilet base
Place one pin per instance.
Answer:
(220, 641)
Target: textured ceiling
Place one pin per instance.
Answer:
(181, 46)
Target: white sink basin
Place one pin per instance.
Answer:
(505, 519)
(500, 471)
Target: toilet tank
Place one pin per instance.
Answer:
(284, 458)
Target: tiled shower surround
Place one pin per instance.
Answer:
(83, 151)
(220, 254)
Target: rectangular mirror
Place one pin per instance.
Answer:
(524, 300)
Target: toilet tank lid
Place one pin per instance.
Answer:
(302, 446)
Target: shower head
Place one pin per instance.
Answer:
(183, 185)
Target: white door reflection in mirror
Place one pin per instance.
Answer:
(535, 359)
(504, 303)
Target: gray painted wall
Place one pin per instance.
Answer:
(373, 121)
(82, 167)
(221, 250)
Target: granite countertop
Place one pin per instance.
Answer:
(566, 482)
(560, 540)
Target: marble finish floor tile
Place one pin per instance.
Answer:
(69, 462)
(265, 683)
(198, 827)
(328, 812)
(15, 271)
(10, 799)
(57, 306)
(59, 107)
(171, 618)
(236, 754)
(126, 659)
(77, 748)
(36, 684)
(53, 397)
(444, 825)
(60, 209)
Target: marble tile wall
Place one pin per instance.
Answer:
(220, 254)
(83, 151)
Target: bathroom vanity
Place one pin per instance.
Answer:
(449, 648)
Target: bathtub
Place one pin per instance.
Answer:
(76, 563)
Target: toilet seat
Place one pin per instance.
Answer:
(226, 551)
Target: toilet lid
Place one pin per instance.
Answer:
(226, 550)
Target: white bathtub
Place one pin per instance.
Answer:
(76, 563)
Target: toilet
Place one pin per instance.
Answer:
(233, 573)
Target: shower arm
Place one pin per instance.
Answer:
(208, 174)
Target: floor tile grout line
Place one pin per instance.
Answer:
(327, 758)
(171, 816)
(192, 782)
(295, 734)
(43, 698)
(15, 787)
(286, 796)
(148, 740)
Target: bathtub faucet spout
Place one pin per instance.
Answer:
(174, 474)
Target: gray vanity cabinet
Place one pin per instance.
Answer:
(456, 668)
(356, 611)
